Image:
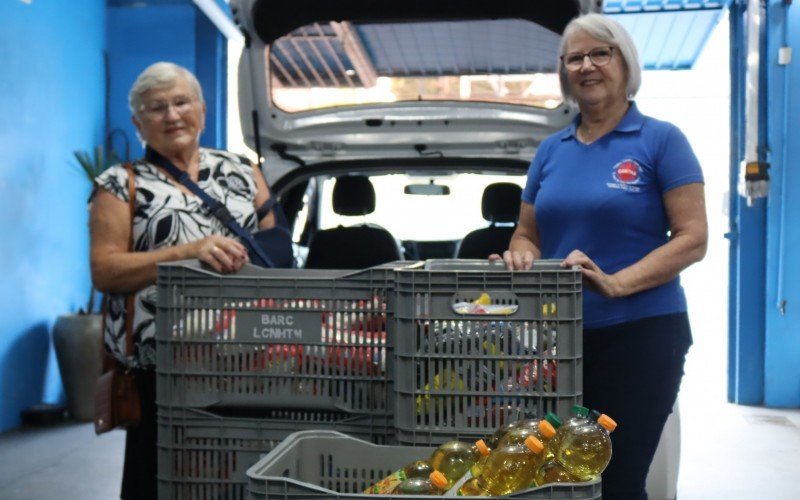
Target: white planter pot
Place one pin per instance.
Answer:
(78, 350)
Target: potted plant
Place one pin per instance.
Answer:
(77, 336)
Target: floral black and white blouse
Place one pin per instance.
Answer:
(166, 216)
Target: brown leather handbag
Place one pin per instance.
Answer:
(116, 395)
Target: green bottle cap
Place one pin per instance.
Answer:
(553, 419)
(580, 411)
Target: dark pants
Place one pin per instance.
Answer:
(139, 473)
(632, 372)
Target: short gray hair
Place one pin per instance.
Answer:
(611, 32)
(160, 74)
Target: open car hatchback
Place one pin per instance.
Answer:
(399, 130)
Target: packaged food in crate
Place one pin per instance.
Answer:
(205, 455)
(477, 346)
(329, 464)
(273, 338)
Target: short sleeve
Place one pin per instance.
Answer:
(535, 173)
(114, 180)
(677, 164)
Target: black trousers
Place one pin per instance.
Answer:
(139, 481)
(632, 372)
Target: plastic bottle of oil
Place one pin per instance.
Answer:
(544, 430)
(553, 472)
(507, 470)
(434, 484)
(501, 431)
(454, 459)
(476, 468)
(586, 450)
(580, 416)
(417, 469)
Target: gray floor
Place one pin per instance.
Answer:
(728, 452)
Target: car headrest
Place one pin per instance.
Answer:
(353, 195)
(500, 202)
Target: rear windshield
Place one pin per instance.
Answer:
(336, 64)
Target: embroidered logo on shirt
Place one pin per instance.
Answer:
(626, 175)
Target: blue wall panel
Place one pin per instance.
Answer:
(137, 38)
(51, 103)
(747, 237)
(179, 33)
(782, 349)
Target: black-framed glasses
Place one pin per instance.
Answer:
(599, 56)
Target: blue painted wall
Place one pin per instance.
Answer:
(51, 103)
(747, 236)
(782, 348)
(141, 35)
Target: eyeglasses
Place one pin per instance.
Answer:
(599, 56)
(158, 109)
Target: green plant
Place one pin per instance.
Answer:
(92, 166)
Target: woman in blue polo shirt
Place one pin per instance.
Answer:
(621, 195)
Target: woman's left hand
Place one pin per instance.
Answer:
(594, 278)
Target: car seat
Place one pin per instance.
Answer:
(499, 204)
(354, 247)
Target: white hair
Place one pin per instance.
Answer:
(606, 30)
(160, 74)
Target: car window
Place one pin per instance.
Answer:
(420, 217)
(508, 61)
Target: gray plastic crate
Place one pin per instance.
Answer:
(461, 375)
(325, 464)
(205, 456)
(312, 339)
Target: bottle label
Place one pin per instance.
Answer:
(387, 484)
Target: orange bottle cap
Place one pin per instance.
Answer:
(534, 444)
(547, 429)
(482, 447)
(438, 479)
(607, 422)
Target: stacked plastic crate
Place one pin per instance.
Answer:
(475, 346)
(478, 346)
(244, 360)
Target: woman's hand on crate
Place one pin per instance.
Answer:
(224, 254)
(607, 285)
(514, 260)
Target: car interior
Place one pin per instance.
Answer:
(357, 218)
(500, 206)
(358, 246)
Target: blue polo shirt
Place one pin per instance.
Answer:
(606, 199)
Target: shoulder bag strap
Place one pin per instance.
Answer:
(129, 298)
(217, 209)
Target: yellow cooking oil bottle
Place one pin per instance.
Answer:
(501, 431)
(434, 484)
(579, 416)
(454, 459)
(476, 468)
(507, 470)
(544, 430)
(516, 432)
(553, 472)
(585, 451)
(417, 469)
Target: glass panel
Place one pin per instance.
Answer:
(446, 217)
(334, 64)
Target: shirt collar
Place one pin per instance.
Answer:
(631, 122)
